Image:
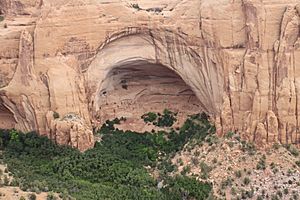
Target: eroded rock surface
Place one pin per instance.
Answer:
(70, 130)
(237, 60)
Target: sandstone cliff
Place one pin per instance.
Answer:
(234, 59)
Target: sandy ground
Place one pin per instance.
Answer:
(14, 193)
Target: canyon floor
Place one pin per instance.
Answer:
(236, 169)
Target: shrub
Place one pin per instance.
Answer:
(51, 196)
(250, 193)
(158, 10)
(149, 117)
(274, 197)
(246, 181)
(230, 144)
(233, 191)
(180, 161)
(295, 195)
(212, 139)
(276, 146)
(197, 153)
(22, 198)
(293, 150)
(6, 181)
(226, 183)
(14, 183)
(289, 172)
(261, 165)
(248, 147)
(108, 126)
(36, 190)
(238, 173)
(215, 160)
(272, 165)
(229, 135)
(64, 195)
(259, 197)
(205, 170)
(136, 6)
(195, 161)
(190, 188)
(275, 170)
(31, 196)
(167, 119)
(55, 115)
(1, 18)
(238, 138)
(279, 193)
(186, 170)
(247, 194)
(286, 191)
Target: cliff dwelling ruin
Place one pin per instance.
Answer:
(132, 89)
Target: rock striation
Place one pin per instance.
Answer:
(234, 59)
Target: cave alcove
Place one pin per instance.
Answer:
(133, 89)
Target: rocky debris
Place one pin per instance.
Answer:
(235, 171)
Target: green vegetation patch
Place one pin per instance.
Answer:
(261, 165)
(248, 147)
(167, 119)
(55, 115)
(114, 169)
(292, 149)
(149, 117)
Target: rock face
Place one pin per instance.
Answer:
(70, 130)
(236, 60)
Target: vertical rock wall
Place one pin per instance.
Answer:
(241, 59)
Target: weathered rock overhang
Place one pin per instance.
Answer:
(147, 48)
(239, 58)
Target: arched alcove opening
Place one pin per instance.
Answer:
(135, 88)
(131, 59)
(7, 120)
